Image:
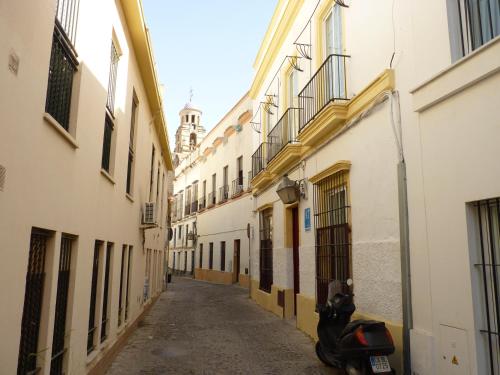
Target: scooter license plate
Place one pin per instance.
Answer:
(380, 364)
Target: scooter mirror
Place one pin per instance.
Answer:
(349, 282)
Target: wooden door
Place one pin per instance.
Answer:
(236, 261)
(296, 272)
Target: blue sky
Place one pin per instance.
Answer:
(209, 45)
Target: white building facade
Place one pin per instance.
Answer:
(84, 159)
(212, 203)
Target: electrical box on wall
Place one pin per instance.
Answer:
(454, 358)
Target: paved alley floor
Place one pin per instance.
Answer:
(201, 328)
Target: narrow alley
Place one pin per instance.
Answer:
(201, 328)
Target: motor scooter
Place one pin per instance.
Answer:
(359, 347)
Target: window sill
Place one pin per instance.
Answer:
(60, 130)
(129, 197)
(92, 356)
(108, 176)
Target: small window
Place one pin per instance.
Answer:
(193, 119)
(107, 144)
(93, 325)
(151, 172)
(113, 70)
(187, 118)
(131, 147)
(201, 256)
(106, 293)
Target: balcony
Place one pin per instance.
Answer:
(249, 181)
(211, 199)
(259, 159)
(237, 187)
(187, 209)
(194, 206)
(202, 204)
(223, 193)
(323, 100)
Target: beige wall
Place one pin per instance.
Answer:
(52, 184)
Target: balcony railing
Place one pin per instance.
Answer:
(211, 199)
(194, 206)
(202, 203)
(328, 84)
(223, 193)
(187, 209)
(237, 187)
(259, 159)
(284, 132)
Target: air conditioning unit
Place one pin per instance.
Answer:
(149, 213)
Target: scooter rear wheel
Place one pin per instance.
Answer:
(321, 356)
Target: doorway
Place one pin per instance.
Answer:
(236, 261)
(295, 245)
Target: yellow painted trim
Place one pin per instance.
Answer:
(208, 151)
(327, 122)
(244, 281)
(229, 131)
(286, 157)
(271, 51)
(265, 207)
(139, 34)
(343, 165)
(213, 276)
(217, 141)
(245, 117)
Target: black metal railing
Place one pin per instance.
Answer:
(105, 294)
(93, 298)
(113, 68)
(32, 309)
(62, 68)
(187, 209)
(284, 132)
(194, 206)
(202, 203)
(58, 340)
(211, 199)
(259, 159)
(328, 84)
(478, 21)
(223, 193)
(67, 17)
(237, 187)
(488, 268)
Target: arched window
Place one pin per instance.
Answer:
(192, 140)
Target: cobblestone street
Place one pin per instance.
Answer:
(200, 328)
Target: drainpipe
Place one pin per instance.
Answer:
(404, 230)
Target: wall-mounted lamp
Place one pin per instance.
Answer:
(291, 191)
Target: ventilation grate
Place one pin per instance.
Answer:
(3, 172)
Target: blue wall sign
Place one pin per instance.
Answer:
(307, 219)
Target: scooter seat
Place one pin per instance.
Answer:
(355, 324)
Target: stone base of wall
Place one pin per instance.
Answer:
(269, 301)
(244, 281)
(104, 361)
(307, 321)
(213, 276)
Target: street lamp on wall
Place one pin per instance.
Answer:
(290, 191)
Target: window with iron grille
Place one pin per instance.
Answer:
(487, 217)
(266, 250)
(113, 68)
(223, 256)
(63, 62)
(333, 233)
(151, 173)
(473, 23)
(185, 261)
(59, 336)
(122, 274)
(106, 292)
(127, 292)
(93, 298)
(131, 147)
(33, 300)
(201, 255)
(106, 143)
(210, 255)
